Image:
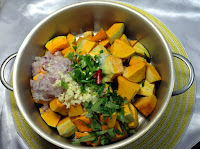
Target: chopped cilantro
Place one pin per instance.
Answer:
(70, 55)
(143, 84)
(64, 85)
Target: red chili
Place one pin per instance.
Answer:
(98, 75)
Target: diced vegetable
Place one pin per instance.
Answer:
(87, 33)
(68, 50)
(82, 123)
(124, 38)
(100, 35)
(132, 42)
(104, 42)
(50, 117)
(134, 113)
(98, 50)
(115, 31)
(56, 44)
(57, 106)
(71, 39)
(75, 110)
(141, 50)
(122, 135)
(128, 117)
(66, 128)
(152, 74)
(136, 59)
(146, 88)
(85, 45)
(108, 122)
(135, 73)
(121, 49)
(126, 88)
(146, 104)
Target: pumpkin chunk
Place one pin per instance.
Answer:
(100, 35)
(71, 39)
(136, 59)
(104, 42)
(115, 31)
(97, 50)
(127, 114)
(146, 104)
(66, 128)
(121, 49)
(81, 122)
(50, 117)
(152, 74)
(75, 110)
(146, 88)
(57, 106)
(110, 122)
(135, 73)
(87, 33)
(112, 67)
(132, 42)
(126, 88)
(85, 45)
(79, 134)
(141, 50)
(124, 38)
(68, 50)
(56, 44)
(134, 113)
(119, 137)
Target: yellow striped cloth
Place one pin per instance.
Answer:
(167, 131)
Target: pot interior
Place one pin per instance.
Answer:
(76, 19)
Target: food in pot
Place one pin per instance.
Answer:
(94, 87)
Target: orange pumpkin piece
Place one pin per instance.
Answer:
(75, 110)
(89, 37)
(79, 134)
(104, 42)
(124, 38)
(136, 59)
(50, 117)
(56, 44)
(152, 74)
(132, 42)
(110, 122)
(115, 32)
(119, 137)
(99, 36)
(68, 50)
(135, 73)
(85, 45)
(126, 88)
(81, 122)
(146, 104)
(121, 49)
(71, 39)
(79, 40)
(57, 106)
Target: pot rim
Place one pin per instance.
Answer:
(117, 144)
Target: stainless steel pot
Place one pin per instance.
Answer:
(76, 19)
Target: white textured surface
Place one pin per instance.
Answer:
(18, 17)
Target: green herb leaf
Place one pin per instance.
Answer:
(121, 115)
(70, 55)
(64, 85)
(75, 47)
(84, 139)
(143, 84)
(85, 123)
(101, 51)
(104, 140)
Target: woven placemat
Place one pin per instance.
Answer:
(166, 133)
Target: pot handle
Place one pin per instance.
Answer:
(191, 71)
(3, 80)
